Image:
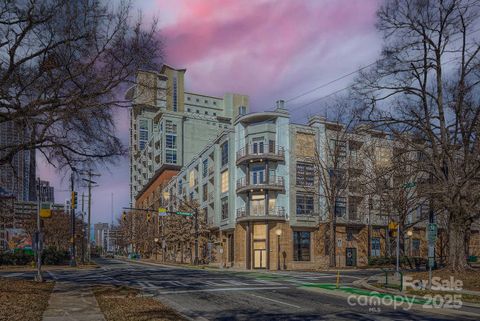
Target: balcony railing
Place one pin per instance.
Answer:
(276, 182)
(265, 151)
(211, 170)
(259, 211)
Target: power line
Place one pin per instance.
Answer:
(345, 76)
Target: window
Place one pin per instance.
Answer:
(242, 110)
(214, 114)
(180, 186)
(375, 246)
(224, 208)
(305, 204)
(205, 167)
(197, 100)
(305, 174)
(170, 141)
(198, 111)
(338, 148)
(174, 93)
(353, 209)
(189, 109)
(301, 246)
(340, 206)
(214, 102)
(192, 179)
(143, 133)
(224, 150)
(224, 182)
(171, 156)
(206, 113)
(188, 98)
(415, 247)
(170, 127)
(206, 101)
(350, 233)
(204, 192)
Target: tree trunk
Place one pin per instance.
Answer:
(456, 244)
(332, 241)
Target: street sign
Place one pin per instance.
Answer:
(45, 210)
(409, 185)
(432, 233)
(162, 210)
(184, 213)
(431, 261)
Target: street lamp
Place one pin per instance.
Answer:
(278, 232)
(409, 234)
(156, 247)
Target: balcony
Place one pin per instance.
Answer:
(258, 213)
(270, 152)
(274, 183)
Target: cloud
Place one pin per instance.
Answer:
(266, 49)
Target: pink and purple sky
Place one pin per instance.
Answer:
(267, 49)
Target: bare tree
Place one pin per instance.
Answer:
(63, 65)
(332, 166)
(426, 84)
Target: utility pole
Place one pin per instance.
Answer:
(83, 229)
(72, 211)
(89, 208)
(38, 239)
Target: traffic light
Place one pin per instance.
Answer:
(392, 229)
(148, 217)
(124, 216)
(73, 201)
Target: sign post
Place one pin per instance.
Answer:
(432, 230)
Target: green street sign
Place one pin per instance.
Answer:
(409, 185)
(184, 213)
(432, 232)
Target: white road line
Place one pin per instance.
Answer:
(52, 275)
(280, 302)
(223, 289)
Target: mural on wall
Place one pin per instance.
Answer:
(18, 239)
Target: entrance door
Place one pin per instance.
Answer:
(259, 255)
(351, 256)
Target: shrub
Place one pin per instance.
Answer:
(18, 257)
(52, 256)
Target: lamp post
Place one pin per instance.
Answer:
(156, 247)
(278, 232)
(409, 234)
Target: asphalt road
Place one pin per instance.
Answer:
(227, 295)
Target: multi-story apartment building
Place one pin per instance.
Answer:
(47, 192)
(169, 126)
(260, 185)
(18, 177)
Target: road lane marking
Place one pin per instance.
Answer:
(223, 289)
(277, 301)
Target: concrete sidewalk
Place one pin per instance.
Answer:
(70, 302)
